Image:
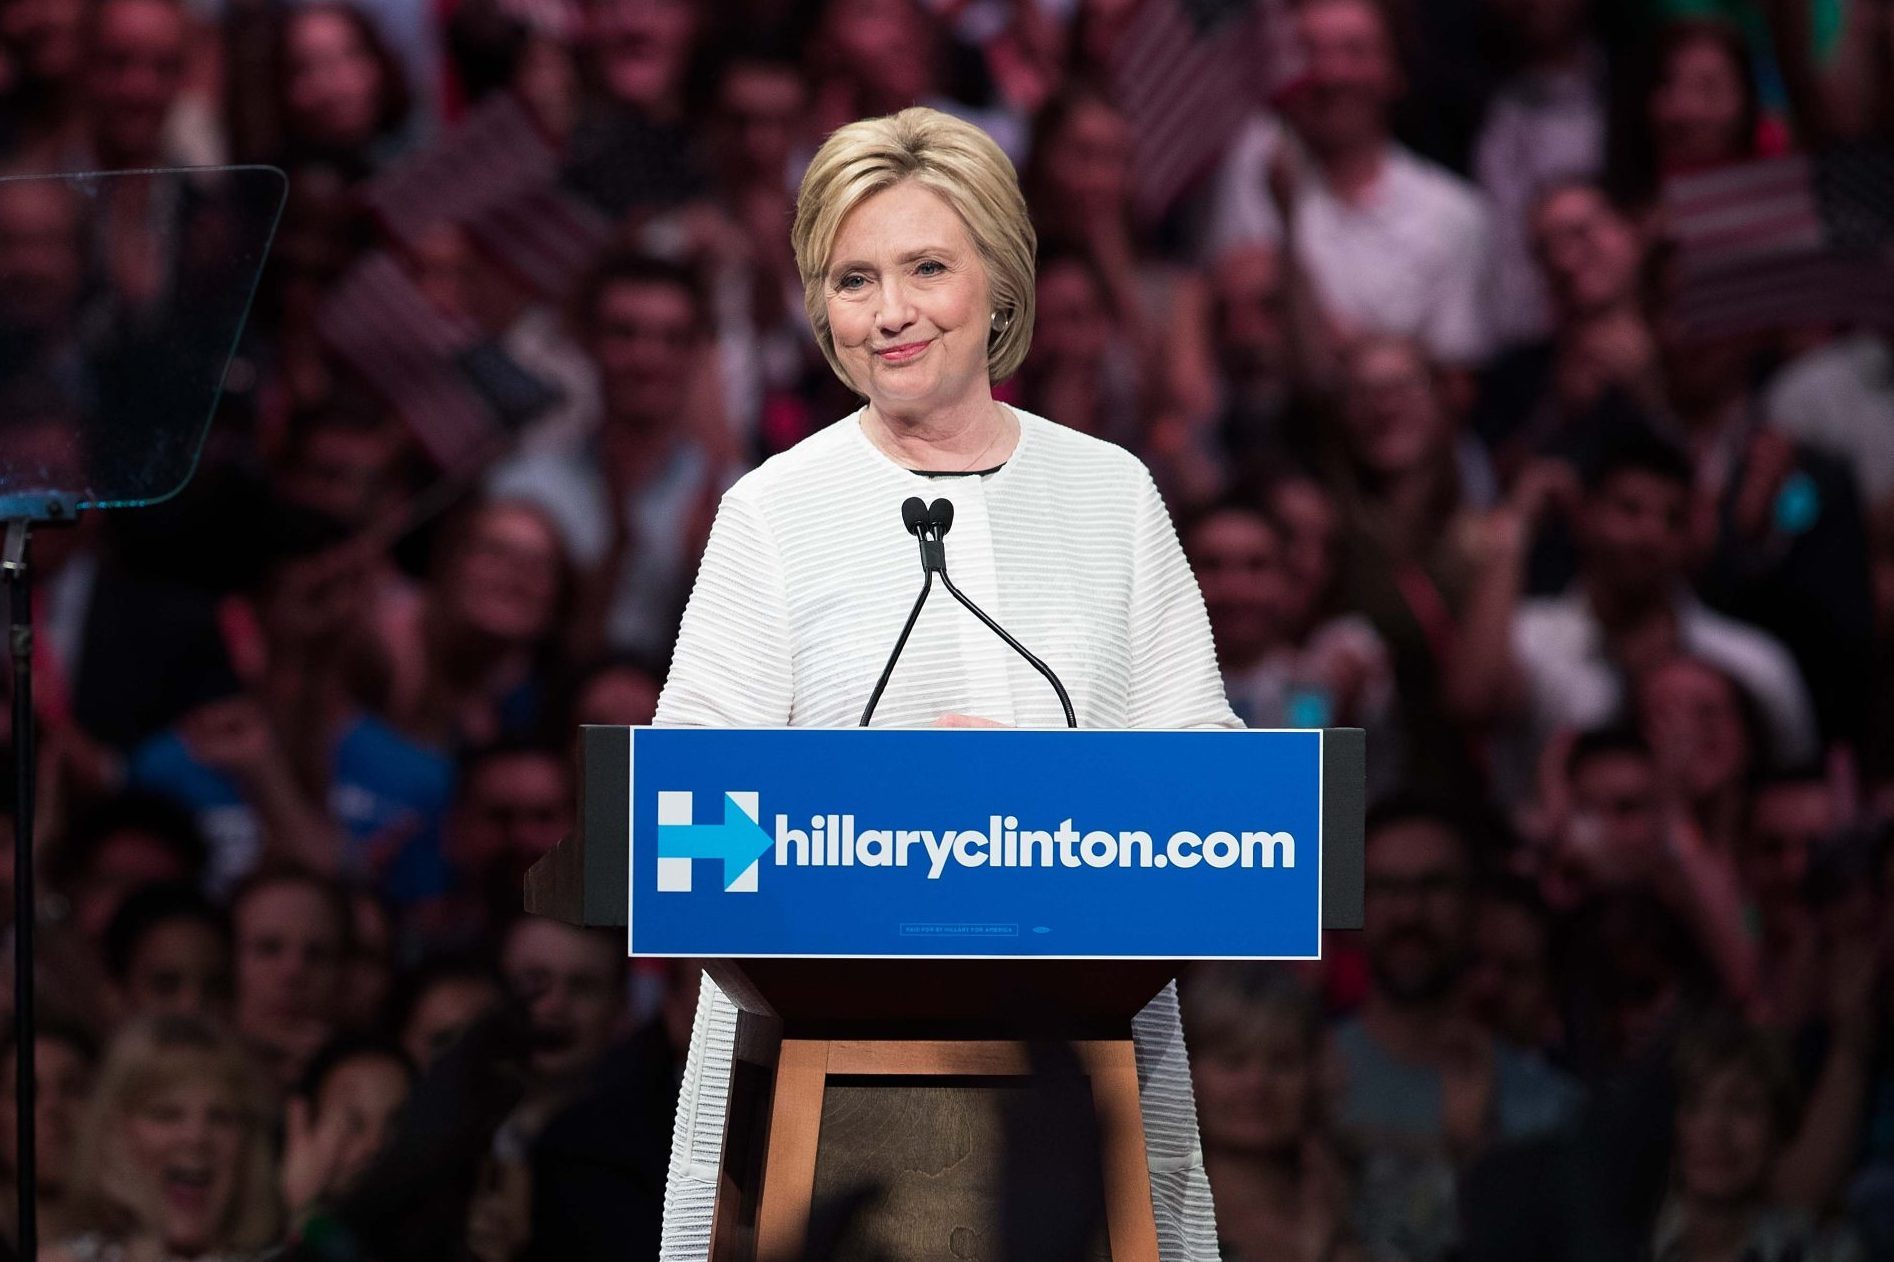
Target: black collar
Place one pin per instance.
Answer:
(958, 473)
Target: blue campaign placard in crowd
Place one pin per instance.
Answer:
(976, 843)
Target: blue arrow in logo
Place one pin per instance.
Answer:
(738, 841)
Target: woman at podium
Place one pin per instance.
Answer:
(916, 255)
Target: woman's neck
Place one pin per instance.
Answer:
(977, 433)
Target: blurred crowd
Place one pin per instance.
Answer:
(1610, 589)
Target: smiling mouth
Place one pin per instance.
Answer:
(906, 351)
(187, 1183)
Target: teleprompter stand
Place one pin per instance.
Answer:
(112, 361)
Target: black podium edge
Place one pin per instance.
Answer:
(1344, 810)
(586, 878)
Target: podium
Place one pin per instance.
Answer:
(937, 942)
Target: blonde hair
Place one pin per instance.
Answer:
(949, 157)
(150, 1056)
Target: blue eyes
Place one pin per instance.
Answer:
(926, 267)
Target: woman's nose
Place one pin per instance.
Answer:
(194, 1132)
(897, 309)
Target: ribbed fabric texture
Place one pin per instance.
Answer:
(805, 582)
(809, 574)
(1180, 1192)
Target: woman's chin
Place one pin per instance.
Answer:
(919, 391)
(906, 402)
(905, 381)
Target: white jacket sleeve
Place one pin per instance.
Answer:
(732, 665)
(1175, 682)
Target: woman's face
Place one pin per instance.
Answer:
(1310, 520)
(507, 578)
(45, 36)
(642, 47)
(1389, 411)
(759, 117)
(1238, 559)
(883, 43)
(1350, 77)
(1696, 726)
(1088, 166)
(907, 302)
(184, 1143)
(1697, 109)
(1257, 1096)
(1071, 318)
(1725, 1141)
(1589, 253)
(181, 966)
(1252, 330)
(334, 84)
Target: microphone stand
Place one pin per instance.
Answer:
(914, 614)
(1065, 702)
(928, 525)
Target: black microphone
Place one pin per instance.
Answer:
(928, 523)
(914, 517)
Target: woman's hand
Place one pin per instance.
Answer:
(966, 720)
(312, 1156)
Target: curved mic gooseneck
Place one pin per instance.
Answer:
(914, 517)
(928, 524)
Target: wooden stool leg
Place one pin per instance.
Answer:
(1113, 1067)
(795, 1127)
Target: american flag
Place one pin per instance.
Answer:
(459, 394)
(1187, 73)
(1802, 239)
(496, 175)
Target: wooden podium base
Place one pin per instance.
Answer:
(934, 1139)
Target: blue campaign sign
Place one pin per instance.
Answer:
(974, 843)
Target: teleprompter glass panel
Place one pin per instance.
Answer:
(122, 295)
